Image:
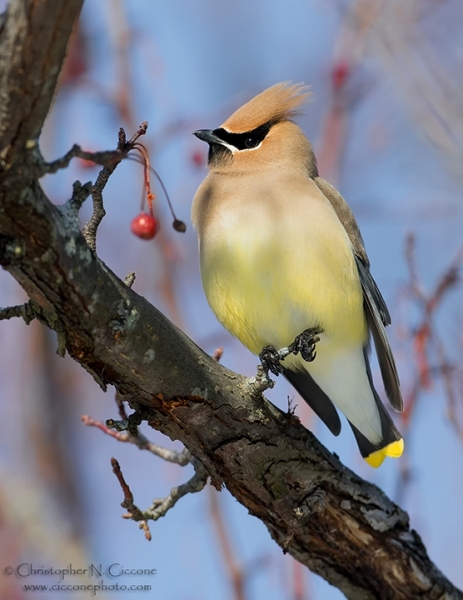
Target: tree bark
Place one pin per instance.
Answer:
(341, 527)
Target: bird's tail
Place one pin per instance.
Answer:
(351, 391)
(392, 443)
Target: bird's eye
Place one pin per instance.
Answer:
(251, 143)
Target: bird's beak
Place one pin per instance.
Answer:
(207, 135)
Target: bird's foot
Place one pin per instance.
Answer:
(270, 359)
(305, 344)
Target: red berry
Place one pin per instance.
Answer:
(144, 226)
(339, 74)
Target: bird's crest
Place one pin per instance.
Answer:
(277, 103)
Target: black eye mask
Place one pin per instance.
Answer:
(246, 140)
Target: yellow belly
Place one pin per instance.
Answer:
(268, 288)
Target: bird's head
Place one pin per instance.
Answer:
(261, 133)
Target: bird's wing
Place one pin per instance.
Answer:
(378, 317)
(315, 398)
(346, 216)
(375, 307)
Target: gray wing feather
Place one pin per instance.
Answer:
(315, 398)
(375, 307)
(346, 216)
(377, 317)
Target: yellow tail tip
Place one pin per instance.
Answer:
(393, 450)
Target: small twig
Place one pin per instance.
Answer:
(99, 212)
(117, 424)
(130, 424)
(134, 512)
(161, 506)
(120, 405)
(123, 147)
(104, 158)
(128, 496)
(119, 436)
(140, 131)
(261, 381)
(80, 193)
(448, 280)
(181, 458)
(291, 407)
(26, 311)
(129, 280)
(70, 209)
(30, 311)
(218, 353)
(122, 431)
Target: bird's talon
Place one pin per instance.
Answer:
(305, 343)
(270, 359)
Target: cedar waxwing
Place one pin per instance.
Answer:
(283, 266)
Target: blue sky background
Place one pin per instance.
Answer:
(398, 164)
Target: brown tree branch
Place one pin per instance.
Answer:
(339, 526)
(26, 311)
(33, 43)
